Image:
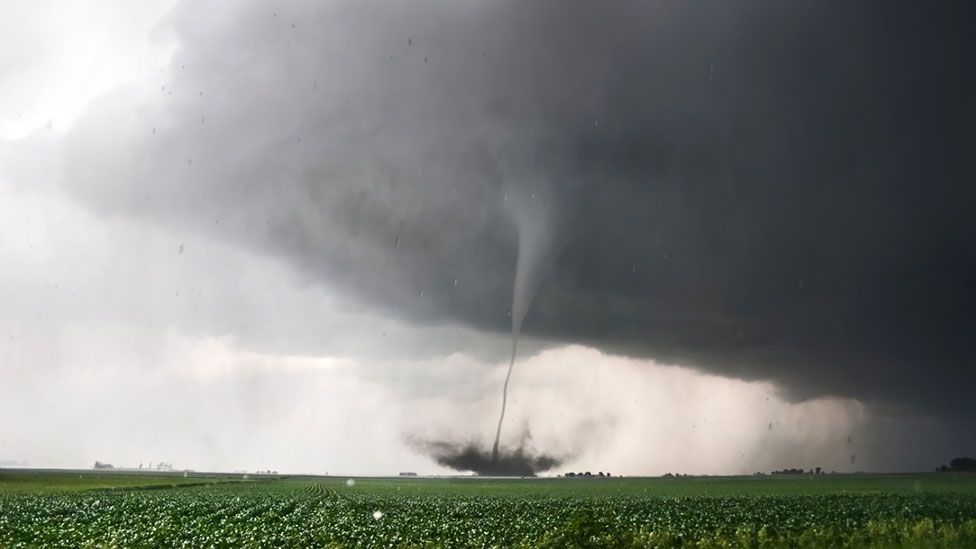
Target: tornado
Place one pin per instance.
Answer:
(533, 206)
(501, 415)
(535, 252)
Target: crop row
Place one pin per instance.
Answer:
(317, 516)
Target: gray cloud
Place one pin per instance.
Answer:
(764, 190)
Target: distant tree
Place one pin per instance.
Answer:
(600, 474)
(587, 474)
(963, 464)
(790, 472)
(570, 474)
(958, 465)
(818, 471)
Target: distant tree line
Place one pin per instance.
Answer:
(586, 475)
(958, 465)
(815, 471)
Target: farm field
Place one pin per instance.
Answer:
(116, 510)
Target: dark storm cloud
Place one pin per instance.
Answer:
(763, 190)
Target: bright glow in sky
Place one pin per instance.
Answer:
(55, 57)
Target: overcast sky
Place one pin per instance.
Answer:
(246, 236)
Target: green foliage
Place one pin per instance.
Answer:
(483, 513)
(13, 482)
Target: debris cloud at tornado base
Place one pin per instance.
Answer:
(470, 456)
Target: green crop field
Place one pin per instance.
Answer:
(116, 510)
